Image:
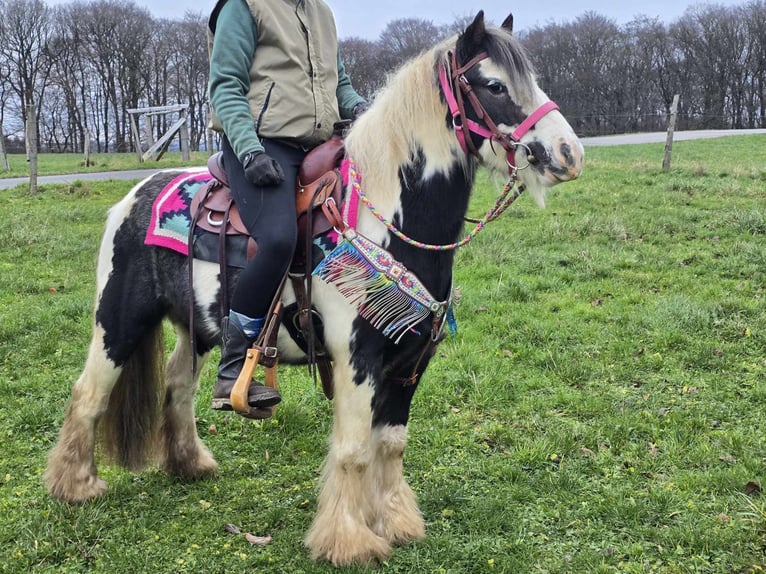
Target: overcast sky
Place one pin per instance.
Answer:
(367, 18)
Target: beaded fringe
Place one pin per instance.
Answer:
(381, 299)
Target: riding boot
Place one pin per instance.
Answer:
(234, 346)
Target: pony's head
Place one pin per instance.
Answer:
(500, 114)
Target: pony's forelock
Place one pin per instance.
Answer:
(508, 53)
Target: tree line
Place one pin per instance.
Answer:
(80, 66)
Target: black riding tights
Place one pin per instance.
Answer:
(269, 215)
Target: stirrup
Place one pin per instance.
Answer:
(263, 351)
(240, 392)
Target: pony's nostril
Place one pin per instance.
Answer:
(537, 153)
(569, 156)
(565, 152)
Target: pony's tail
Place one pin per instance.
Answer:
(129, 426)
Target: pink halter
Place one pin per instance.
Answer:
(458, 87)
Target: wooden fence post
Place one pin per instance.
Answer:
(4, 151)
(183, 133)
(86, 147)
(31, 137)
(671, 130)
(210, 141)
(136, 136)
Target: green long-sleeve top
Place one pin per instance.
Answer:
(237, 110)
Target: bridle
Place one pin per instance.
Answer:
(456, 89)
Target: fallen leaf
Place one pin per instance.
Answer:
(587, 452)
(752, 488)
(232, 529)
(481, 309)
(257, 540)
(727, 458)
(723, 518)
(596, 302)
(507, 353)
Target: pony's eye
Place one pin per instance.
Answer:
(496, 87)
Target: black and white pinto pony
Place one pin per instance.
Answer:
(418, 170)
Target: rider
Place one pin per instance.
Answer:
(277, 86)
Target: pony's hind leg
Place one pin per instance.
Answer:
(184, 454)
(71, 473)
(341, 530)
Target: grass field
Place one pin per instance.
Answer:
(601, 408)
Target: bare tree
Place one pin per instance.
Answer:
(116, 34)
(404, 39)
(755, 18)
(362, 61)
(189, 72)
(25, 32)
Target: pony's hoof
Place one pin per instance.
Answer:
(346, 549)
(74, 491)
(401, 530)
(203, 467)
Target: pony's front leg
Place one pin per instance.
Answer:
(71, 472)
(341, 530)
(183, 452)
(397, 516)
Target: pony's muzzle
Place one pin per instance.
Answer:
(567, 158)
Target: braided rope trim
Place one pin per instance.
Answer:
(501, 204)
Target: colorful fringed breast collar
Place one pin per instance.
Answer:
(385, 292)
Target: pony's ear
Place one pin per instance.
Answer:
(508, 23)
(470, 41)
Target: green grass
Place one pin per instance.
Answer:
(63, 163)
(600, 409)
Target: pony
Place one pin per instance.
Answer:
(470, 101)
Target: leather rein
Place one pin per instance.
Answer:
(457, 89)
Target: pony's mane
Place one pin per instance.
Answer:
(408, 112)
(404, 113)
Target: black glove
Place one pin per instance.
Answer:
(262, 170)
(359, 109)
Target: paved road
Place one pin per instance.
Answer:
(660, 137)
(641, 138)
(71, 178)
